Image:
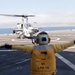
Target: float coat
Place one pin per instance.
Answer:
(43, 61)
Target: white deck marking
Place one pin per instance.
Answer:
(70, 64)
(7, 50)
(23, 61)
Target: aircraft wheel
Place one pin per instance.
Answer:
(22, 37)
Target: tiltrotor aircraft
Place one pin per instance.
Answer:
(24, 29)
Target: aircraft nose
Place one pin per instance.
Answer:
(35, 30)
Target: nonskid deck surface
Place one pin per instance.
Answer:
(18, 63)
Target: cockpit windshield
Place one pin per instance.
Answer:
(28, 25)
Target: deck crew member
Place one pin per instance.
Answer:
(43, 61)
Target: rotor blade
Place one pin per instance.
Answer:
(6, 15)
(25, 16)
(31, 15)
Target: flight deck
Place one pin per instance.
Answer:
(13, 62)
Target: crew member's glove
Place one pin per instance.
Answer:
(7, 46)
(74, 41)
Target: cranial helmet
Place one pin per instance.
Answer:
(42, 38)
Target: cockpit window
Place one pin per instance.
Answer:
(28, 25)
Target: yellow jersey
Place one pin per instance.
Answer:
(43, 61)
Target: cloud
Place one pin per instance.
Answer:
(43, 19)
(55, 18)
(8, 19)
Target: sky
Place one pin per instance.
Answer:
(47, 12)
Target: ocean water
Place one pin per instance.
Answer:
(10, 30)
(6, 30)
(58, 28)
